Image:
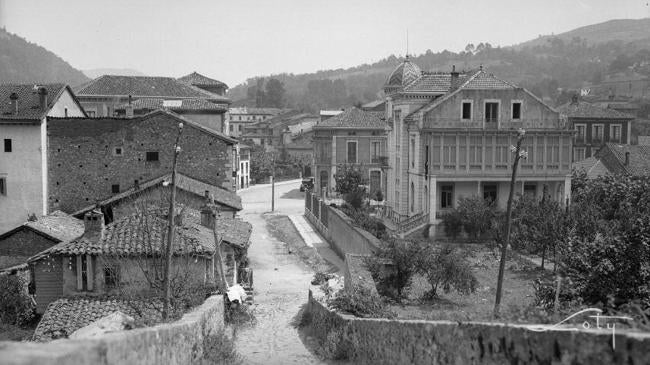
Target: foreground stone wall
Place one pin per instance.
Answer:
(179, 342)
(382, 341)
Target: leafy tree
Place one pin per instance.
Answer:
(361, 302)
(350, 182)
(394, 265)
(274, 93)
(16, 306)
(476, 215)
(445, 268)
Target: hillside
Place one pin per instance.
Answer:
(625, 30)
(25, 62)
(546, 66)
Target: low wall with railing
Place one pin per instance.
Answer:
(179, 342)
(384, 341)
(338, 229)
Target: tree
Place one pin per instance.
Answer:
(274, 93)
(350, 182)
(394, 265)
(445, 269)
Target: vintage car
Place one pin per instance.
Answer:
(307, 184)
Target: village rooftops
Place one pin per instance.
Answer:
(592, 166)
(176, 105)
(66, 315)
(625, 159)
(140, 234)
(233, 231)
(582, 109)
(354, 118)
(23, 101)
(197, 79)
(57, 226)
(144, 86)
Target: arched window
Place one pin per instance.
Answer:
(412, 196)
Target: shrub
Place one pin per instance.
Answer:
(16, 306)
(476, 215)
(453, 224)
(393, 266)
(361, 302)
(219, 349)
(445, 269)
(379, 196)
(320, 278)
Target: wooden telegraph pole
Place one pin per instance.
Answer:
(504, 248)
(171, 227)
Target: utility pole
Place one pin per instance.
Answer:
(504, 248)
(171, 225)
(273, 184)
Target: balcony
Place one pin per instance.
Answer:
(381, 160)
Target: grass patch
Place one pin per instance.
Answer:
(10, 332)
(518, 291)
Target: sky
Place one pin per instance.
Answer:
(238, 39)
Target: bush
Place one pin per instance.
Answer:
(393, 266)
(16, 306)
(320, 278)
(362, 219)
(445, 269)
(219, 349)
(453, 224)
(476, 215)
(361, 302)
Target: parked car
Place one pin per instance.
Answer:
(307, 184)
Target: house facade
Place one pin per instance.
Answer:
(273, 133)
(242, 180)
(353, 138)
(451, 137)
(595, 126)
(24, 114)
(239, 118)
(93, 159)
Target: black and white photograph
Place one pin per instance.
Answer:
(324, 182)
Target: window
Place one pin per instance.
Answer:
(449, 152)
(491, 112)
(8, 147)
(231, 127)
(375, 151)
(412, 155)
(516, 110)
(580, 136)
(490, 192)
(117, 151)
(466, 110)
(530, 190)
(323, 179)
(115, 188)
(615, 133)
(397, 125)
(446, 196)
(352, 151)
(597, 133)
(83, 270)
(3, 186)
(65, 112)
(476, 152)
(239, 127)
(579, 154)
(111, 276)
(412, 196)
(91, 113)
(152, 156)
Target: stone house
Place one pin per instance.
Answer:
(203, 82)
(239, 118)
(275, 132)
(595, 126)
(354, 137)
(103, 95)
(34, 236)
(93, 159)
(25, 111)
(451, 135)
(243, 166)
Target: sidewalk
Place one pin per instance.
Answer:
(314, 240)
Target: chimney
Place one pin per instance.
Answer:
(94, 225)
(454, 78)
(129, 108)
(42, 98)
(208, 215)
(14, 102)
(627, 159)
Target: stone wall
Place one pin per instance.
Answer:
(337, 228)
(84, 164)
(179, 342)
(383, 341)
(18, 247)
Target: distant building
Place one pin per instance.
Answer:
(93, 159)
(24, 114)
(300, 150)
(625, 159)
(205, 83)
(353, 138)
(273, 133)
(450, 137)
(103, 95)
(375, 106)
(239, 118)
(326, 114)
(244, 166)
(24, 241)
(595, 126)
(629, 84)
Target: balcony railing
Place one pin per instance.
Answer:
(381, 160)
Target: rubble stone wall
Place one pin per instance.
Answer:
(179, 342)
(383, 341)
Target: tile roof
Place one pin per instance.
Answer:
(583, 109)
(355, 118)
(592, 166)
(175, 105)
(135, 235)
(484, 81)
(233, 231)
(256, 111)
(290, 118)
(430, 82)
(58, 225)
(196, 78)
(183, 182)
(639, 163)
(373, 104)
(29, 107)
(144, 86)
(66, 315)
(405, 73)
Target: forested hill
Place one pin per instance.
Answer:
(25, 62)
(567, 61)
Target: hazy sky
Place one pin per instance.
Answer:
(237, 39)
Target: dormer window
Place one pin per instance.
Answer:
(466, 110)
